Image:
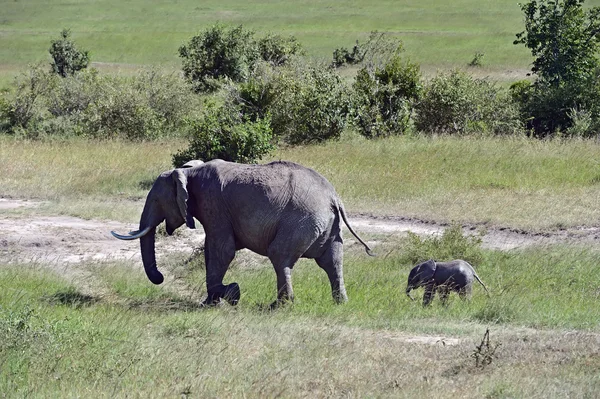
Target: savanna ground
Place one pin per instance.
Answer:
(78, 318)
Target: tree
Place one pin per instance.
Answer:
(218, 53)
(564, 39)
(66, 58)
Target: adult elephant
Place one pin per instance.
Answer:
(281, 210)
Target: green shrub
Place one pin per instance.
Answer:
(306, 103)
(566, 65)
(383, 99)
(547, 109)
(256, 96)
(342, 56)
(145, 106)
(74, 94)
(66, 58)
(457, 103)
(452, 244)
(25, 109)
(223, 133)
(311, 104)
(120, 110)
(216, 54)
(277, 49)
(169, 97)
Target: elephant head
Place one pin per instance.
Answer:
(420, 276)
(166, 201)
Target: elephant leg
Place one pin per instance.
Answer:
(429, 293)
(465, 292)
(332, 262)
(218, 254)
(287, 247)
(444, 292)
(283, 264)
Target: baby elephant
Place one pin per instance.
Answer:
(456, 275)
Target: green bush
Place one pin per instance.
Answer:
(120, 110)
(383, 99)
(145, 106)
(223, 133)
(566, 66)
(277, 49)
(216, 54)
(66, 58)
(306, 103)
(377, 50)
(311, 104)
(458, 103)
(548, 109)
(25, 108)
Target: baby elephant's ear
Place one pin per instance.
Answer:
(427, 269)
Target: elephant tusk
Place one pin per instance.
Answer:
(132, 234)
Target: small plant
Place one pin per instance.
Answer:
(484, 353)
(452, 244)
(66, 58)
(376, 51)
(477, 60)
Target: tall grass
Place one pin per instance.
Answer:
(515, 182)
(512, 181)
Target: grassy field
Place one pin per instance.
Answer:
(101, 329)
(125, 35)
(511, 182)
(137, 340)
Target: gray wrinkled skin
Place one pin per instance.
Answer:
(280, 210)
(456, 275)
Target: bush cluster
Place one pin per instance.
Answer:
(306, 103)
(270, 95)
(146, 106)
(384, 98)
(224, 133)
(564, 98)
(221, 53)
(457, 103)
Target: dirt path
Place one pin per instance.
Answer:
(69, 240)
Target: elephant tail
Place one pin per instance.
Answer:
(481, 282)
(343, 213)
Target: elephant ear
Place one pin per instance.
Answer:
(182, 196)
(427, 270)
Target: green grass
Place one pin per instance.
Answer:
(516, 182)
(436, 34)
(513, 182)
(55, 341)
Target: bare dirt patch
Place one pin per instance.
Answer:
(71, 240)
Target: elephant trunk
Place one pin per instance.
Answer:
(149, 257)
